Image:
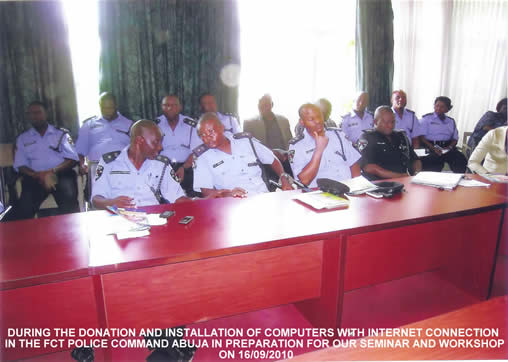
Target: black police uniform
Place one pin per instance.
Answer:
(393, 153)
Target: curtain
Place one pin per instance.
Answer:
(35, 64)
(453, 48)
(374, 50)
(154, 47)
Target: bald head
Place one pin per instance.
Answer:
(211, 130)
(399, 99)
(142, 127)
(107, 104)
(384, 120)
(361, 101)
(311, 118)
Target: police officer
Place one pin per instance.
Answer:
(137, 175)
(321, 152)
(326, 108)
(180, 138)
(386, 153)
(405, 119)
(440, 135)
(359, 119)
(99, 135)
(45, 156)
(207, 103)
(231, 164)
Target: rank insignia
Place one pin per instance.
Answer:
(291, 155)
(98, 172)
(362, 143)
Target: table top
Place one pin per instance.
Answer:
(68, 246)
(485, 315)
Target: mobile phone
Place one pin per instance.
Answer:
(167, 214)
(186, 220)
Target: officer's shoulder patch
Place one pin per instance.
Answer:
(428, 114)
(190, 122)
(291, 155)
(98, 172)
(173, 174)
(362, 143)
(296, 139)
(110, 156)
(242, 135)
(156, 121)
(163, 159)
(198, 151)
(64, 130)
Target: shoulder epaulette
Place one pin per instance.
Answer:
(88, 119)
(428, 114)
(110, 156)
(64, 130)
(410, 111)
(198, 151)
(242, 135)
(369, 112)
(369, 130)
(190, 122)
(345, 115)
(230, 114)
(332, 128)
(156, 121)
(296, 139)
(163, 159)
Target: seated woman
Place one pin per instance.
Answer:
(489, 120)
(440, 135)
(494, 149)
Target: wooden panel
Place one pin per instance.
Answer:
(69, 304)
(490, 314)
(503, 243)
(325, 311)
(463, 244)
(205, 289)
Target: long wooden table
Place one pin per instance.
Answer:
(241, 255)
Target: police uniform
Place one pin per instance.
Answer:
(441, 133)
(178, 144)
(338, 156)
(217, 169)
(230, 122)
(98, 136)
(42, 153)
(152, 184)
(393, 153)
(408, 123)
(352, 125)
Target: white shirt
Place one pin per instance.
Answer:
(36, 152)
(230, 123)
(178, 144)
(409, 123)
(220, 170)
(335, 161)
(98, 136)
(120, 178)
(352, 125)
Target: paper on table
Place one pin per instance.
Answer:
(322, 200)
(132, 234)
(421, 152)
(155, 220)
(496, 178)
(472, 183)
(445, 180)
(359, 185)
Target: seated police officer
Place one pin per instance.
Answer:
(320, 152)
(387, 153)
(180, 137)
(207, 103)
(137, 175)
(45, 156)
(231, 164)
(358, 119)
(440, 136)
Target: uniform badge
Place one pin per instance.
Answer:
(291, 155)
(362, 143)
(98, 172)
(70, 140)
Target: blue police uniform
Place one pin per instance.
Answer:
(42, 153)
(409, 123)
(338, 156)
(215, 169)
(152, 184)
(352, 125)
(230, 122)
(98, 136)
(441, 133)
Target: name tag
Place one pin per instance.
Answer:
(218, 164)
(436, 123)
(353, 124)
(381, 143)
(97, 126)
(119, 172)
(309, 151)
(252, 164)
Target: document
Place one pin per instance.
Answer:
(496, 178)
(443, 180)
(359, 185)
(320, 200)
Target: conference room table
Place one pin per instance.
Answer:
(243, 255)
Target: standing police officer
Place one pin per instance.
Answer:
(440, 135)
(359, 119)
(320, 152)
(231, 164)
(387, 153)
(45, 156)
(405, 119)
(207, 103)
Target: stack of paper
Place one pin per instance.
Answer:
(359, 185)
(442, 180)
(496, 178)
(322, 200)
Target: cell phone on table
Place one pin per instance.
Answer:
(185, 220)
(166, 214)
